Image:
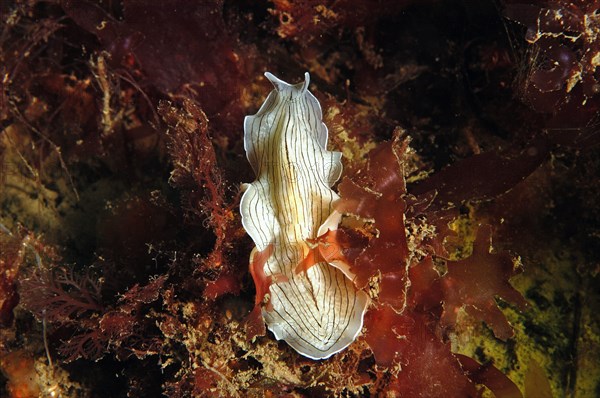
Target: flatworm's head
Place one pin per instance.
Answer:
(293, 99)
(285, 89)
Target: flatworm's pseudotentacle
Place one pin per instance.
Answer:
(316, 309)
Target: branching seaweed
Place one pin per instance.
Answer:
(61, 295)
(195, 166)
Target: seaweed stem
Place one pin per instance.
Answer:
(222, 376)
(38, 260)
(55, 147)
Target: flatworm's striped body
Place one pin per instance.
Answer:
(316, 309)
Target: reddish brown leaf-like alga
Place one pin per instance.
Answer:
(414, 303)
(473, 283)
(377, 196)
(429, 369)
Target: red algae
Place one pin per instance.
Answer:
(377, 195)
(255, 324)
(496, 381)
(431, 370)
(474, 283)
(403, 330)
(483, 176)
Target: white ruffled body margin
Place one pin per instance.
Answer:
(318, 312)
